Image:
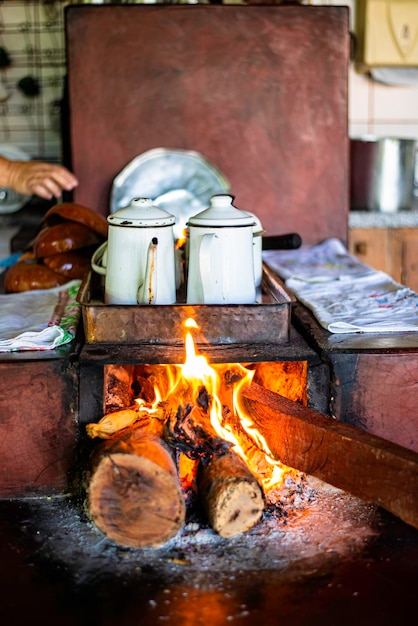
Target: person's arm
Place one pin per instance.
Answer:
(46, 180)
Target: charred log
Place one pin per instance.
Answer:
(119, 392)
(189, 431)
(231, 495)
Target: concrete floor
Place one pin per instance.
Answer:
(56, 570)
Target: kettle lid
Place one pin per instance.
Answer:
(222, 212)
(141, 212)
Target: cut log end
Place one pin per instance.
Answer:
(236, 508)
(232, 497)
(134, 501)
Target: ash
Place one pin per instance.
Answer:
(307, 525)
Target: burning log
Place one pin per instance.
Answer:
(118, 387)
(188, 430)
(134, 495)
(342, 455)
(231, 495)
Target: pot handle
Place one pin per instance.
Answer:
(291, 241)
(210, 275)
(99, 259)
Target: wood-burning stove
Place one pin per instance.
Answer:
(262, 92)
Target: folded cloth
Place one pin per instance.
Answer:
(324, 262)
(42, 319)
(345, 295)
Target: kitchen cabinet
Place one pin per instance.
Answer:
(392, 250)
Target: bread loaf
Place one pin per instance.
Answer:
(61, 251)
(77, 213)
(29, 276)
(74, 264)
(63, 237)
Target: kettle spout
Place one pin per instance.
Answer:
(147, 291)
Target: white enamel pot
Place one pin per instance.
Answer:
(138, 259)
(221, 255)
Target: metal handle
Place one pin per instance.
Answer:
(291, 241)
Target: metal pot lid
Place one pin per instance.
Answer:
(179, 181)
(141, 212)
(222, 212)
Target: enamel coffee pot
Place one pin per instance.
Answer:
(221, 259)
(138, 255)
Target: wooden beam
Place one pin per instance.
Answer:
(368, 467)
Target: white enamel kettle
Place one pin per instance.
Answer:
(138, 258)
(220, 255)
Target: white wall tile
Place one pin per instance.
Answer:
(359, 130)
(403, 131)
(375, 108)
(394, 103)
(359, 96)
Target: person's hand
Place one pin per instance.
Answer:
(46, 180)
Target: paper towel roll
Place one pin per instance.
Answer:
(395, 76)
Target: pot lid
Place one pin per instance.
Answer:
(141, 212)
(222, 212)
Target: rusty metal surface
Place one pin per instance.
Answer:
(266, 322)
(259, 91)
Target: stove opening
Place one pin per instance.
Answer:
(177, 442)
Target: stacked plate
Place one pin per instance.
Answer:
(179, 181)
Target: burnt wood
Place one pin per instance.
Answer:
(231, 495)
(342, 455)
(189, 431)
(259, 91)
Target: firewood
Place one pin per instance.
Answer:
(134, 496)
(118, 387)
(231, 495)
(188, 430)
(347, 457)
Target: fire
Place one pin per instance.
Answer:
(180, 242)
(228, 418)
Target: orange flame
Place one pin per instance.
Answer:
(181, 240)
(183, 384)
